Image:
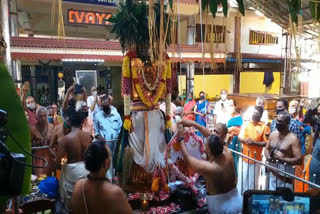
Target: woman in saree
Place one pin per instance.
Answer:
(201, 111)
(234, 125)
(188, 108)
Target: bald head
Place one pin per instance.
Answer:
(220, 130)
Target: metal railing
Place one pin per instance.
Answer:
(270, 168)
(39, 147)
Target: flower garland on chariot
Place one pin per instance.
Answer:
(189, 181)
(160, 85)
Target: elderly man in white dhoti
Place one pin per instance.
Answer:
(147, 139)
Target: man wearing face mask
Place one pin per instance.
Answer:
(107, 124)
(92, 101)
(254, 139)
(29, 106)
(220, 108)
(283, 146)
(50, 115)
(282, 106)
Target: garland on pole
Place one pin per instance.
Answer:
(175, 144)
(134, 73)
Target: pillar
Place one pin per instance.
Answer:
(237, 50)
(14, 32)
(6, 34)
(191, 31)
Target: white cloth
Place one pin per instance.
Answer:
(112, 144)
(221, 112)
(90, 101)
(147, 139)
(172, 110)
(227, 203)
(248, 181)
(275, 182)
(70, 174)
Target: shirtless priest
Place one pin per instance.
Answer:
(219, 171)
(96, 194)
(74, 146)
(285, 147)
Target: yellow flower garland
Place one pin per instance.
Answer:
(126, 67)
(126, 73)
(169, 69)
(127, 124)
(159, 92)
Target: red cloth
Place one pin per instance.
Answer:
(32, 118)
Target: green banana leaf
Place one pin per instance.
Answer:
(313, 10)
(213, 6)
(170, 4)
(204, 4)
(17, 123)
(225, 7)
(294, 9)
(241, 6)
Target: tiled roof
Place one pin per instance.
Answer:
(33, 42)
(45, 43)
(37, 56)
(60, 43)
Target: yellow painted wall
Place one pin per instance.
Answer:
(213, 84)
(252, 82)
(182, 84)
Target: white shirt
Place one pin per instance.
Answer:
(90, 101)
(221, 112)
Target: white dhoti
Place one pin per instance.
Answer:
(275, 182)
(147, 139)
(70, 174)
(227, 203)
(248, 176)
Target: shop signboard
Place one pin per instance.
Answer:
(110, 3)
(88, 17)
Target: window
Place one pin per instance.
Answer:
(218, 35)
(262, 38)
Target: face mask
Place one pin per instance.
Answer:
(31, 106)
(256, 118)
(279, 110)
(202, 97)
(106, 109)
(189, 99)
(50, 120)
(223, 96)
(94, 93)
(281, 127)
(292, 110)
